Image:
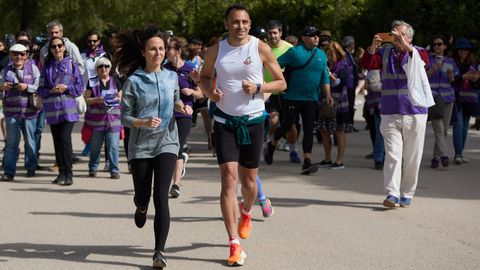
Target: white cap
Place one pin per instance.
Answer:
(18, 48)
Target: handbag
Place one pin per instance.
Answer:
(436, 111)
(34, 101)
(327, 111)
(81, 104)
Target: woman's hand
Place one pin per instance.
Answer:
(58, 89)
(216, 95)
(153, 122)
(187, 91)
(187, 110)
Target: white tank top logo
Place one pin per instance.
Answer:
(248, 61)
(233, 65)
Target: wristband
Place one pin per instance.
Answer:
(258, 88)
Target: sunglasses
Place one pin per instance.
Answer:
(18, 53)
(312, 35)
(103, 66)
(92, 41)
(438, 44)
(53, 46)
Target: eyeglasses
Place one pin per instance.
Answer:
(103, 66)
(18, 53)
(437, 44)
(53, 46)
(92, 41)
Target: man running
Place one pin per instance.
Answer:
(238, 62)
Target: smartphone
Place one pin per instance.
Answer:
(386, 37)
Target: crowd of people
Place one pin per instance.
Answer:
(253, 92)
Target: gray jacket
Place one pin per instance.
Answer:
(146, 95)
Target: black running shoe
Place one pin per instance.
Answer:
(268, 155)
(159, 260)
(140, 217)
(308, 167)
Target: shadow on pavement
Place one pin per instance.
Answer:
(76, 191)
(124, 216)
(76, 253)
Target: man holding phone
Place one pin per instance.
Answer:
(402, 124)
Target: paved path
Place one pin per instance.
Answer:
(330, 220)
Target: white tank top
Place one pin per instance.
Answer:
(233, 65)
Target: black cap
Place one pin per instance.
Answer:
(310, 31)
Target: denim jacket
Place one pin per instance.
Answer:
(147, 95)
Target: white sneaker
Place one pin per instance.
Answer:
(185, 160)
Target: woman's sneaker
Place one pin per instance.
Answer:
(336, 166)
(175, 191)
(159, 260)
(267, 209)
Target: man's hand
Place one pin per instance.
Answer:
(6, 86)
(249, 87)
(195, 76)
(376, 42)
(402, 40)
(330, 100)
(21, 86)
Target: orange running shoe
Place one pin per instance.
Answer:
(245, 225)
(237, 255)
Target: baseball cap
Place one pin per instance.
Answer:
(310, 31)
(18, 48)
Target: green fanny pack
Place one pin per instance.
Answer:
(239, 125)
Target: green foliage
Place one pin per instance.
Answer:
(204, 18)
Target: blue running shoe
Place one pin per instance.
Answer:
(391, 201)
(405, 202)
(294, 157)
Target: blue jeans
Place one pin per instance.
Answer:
(96, 142)
(378, 146)
(14, 126)
(460, 131)
(40, 126)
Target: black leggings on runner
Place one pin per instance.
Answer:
(184, 124)
(160, 170)
(291, 109)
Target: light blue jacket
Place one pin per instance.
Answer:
(147, 95)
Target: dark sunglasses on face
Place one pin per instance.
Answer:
(92, 41)
(437, 44)
(18, 53)
(312, 35)
(53, 46)
(103, 66)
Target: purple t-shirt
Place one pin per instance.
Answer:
(184, 81)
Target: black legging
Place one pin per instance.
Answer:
(184, 124)
(161, 168)
(307, 110)
(62, 142)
